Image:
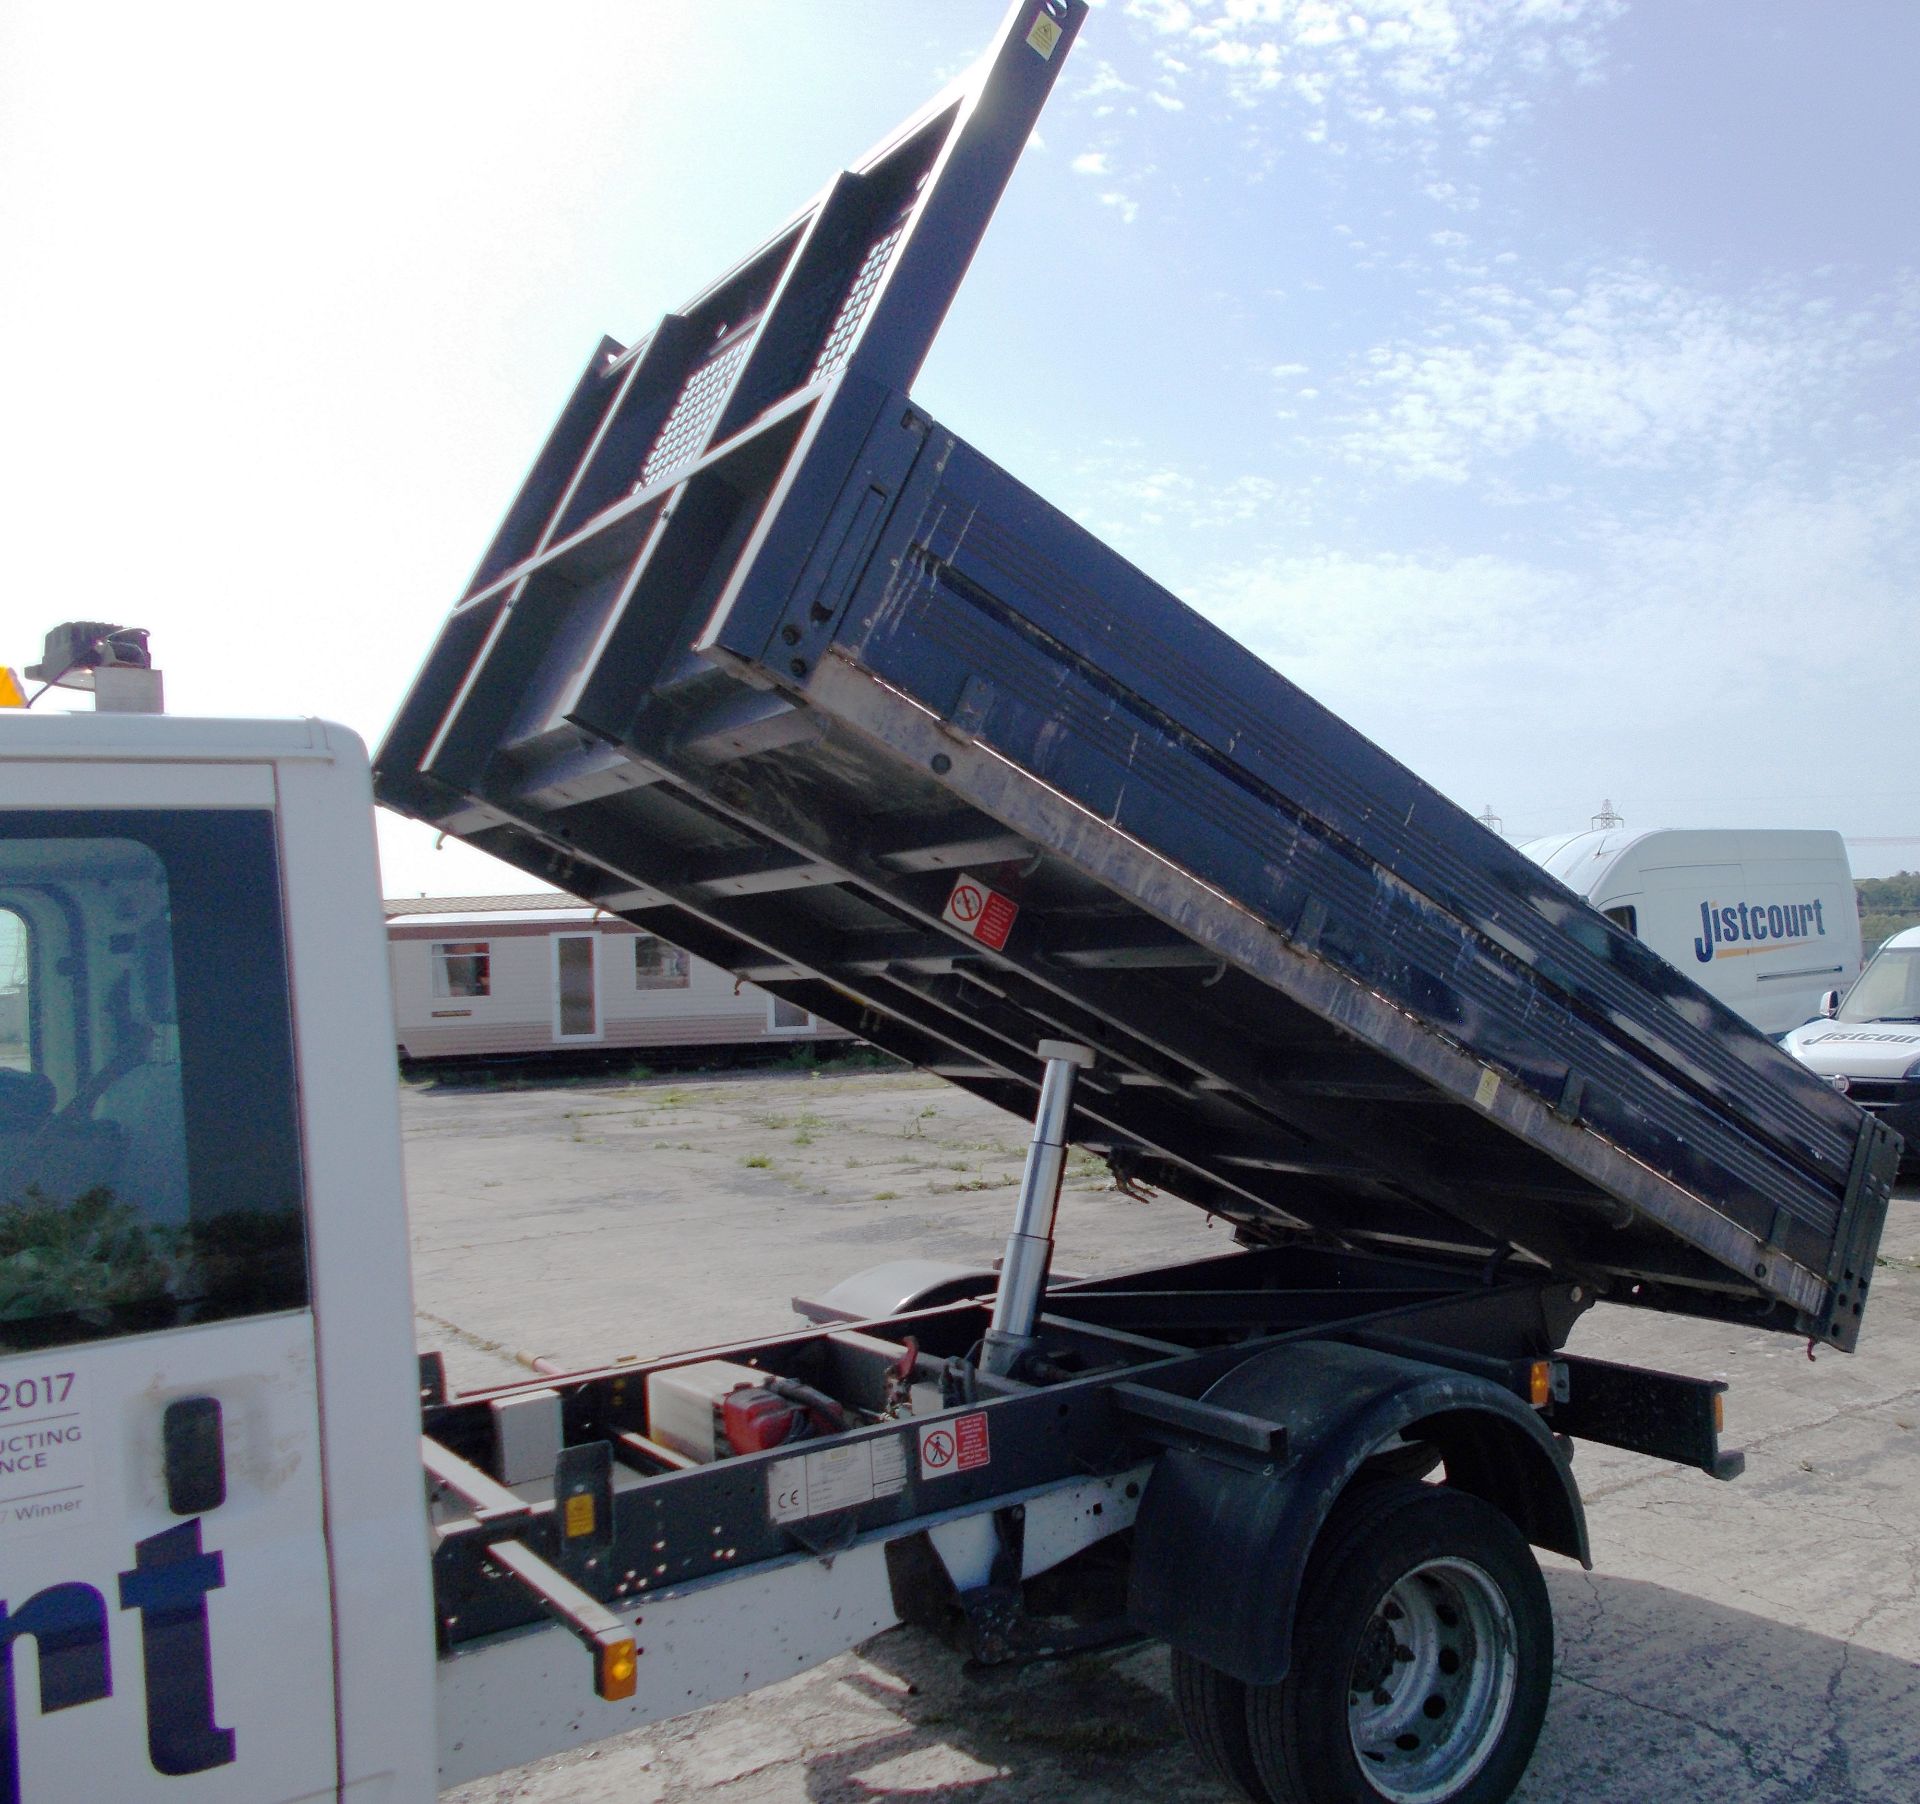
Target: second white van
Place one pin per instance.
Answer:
(1764, 919)
(1868, 1045)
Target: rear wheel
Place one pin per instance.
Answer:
(1213, 1710)
(1422, 1658)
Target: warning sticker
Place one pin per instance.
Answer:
(1044, 36)
(982, 912)
(956, 1446)
(889, 1466)
(46, 1460)
(836, 1478)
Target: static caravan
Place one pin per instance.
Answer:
(496, 976)
(1764, 919)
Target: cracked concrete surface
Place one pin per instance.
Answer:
(1757, 1641)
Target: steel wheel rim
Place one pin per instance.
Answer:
(1432, 1682)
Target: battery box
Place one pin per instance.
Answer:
(684, 1406)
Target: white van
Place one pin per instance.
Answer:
(1764, 919)
(1868, 1046)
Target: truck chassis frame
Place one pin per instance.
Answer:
(1079, 1454)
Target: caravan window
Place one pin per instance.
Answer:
(462, 968)
(658, 966)
(1626, 915)
(149, 1142)
(784, 1017)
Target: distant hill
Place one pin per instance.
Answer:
(1887, 904)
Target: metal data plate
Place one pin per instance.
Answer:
(767, 662)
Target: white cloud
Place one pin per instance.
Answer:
(1124, 205)
(1170, 18)
(1092, 162)
(1687, 667)
(1629, 370)
(1118, 492)
(1322, 617)
(1405, 71)
(1106, 79)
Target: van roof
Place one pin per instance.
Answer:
(1580, 859)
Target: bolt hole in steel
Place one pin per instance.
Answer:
(1432, 1681)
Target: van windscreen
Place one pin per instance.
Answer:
(1888, 990)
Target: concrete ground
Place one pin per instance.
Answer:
(1756, 1641)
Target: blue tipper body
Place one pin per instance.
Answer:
(766, 661)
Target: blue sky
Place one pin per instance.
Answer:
(1534, 381)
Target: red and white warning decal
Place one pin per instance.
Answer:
(956, 1446)
(982, 912)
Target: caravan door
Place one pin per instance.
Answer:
(576, 987)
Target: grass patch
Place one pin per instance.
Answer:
(756, 1161)
(806, 1126)
(1086, 1168)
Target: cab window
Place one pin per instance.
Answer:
(149, 1145)
(16, 1001)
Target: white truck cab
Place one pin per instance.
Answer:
(1763, 919)
(214, 1577)
(1867, 1045)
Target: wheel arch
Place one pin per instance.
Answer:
(894, 1287)
(1490, 1455)
(1222, 1543)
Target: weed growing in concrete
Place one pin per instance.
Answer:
(806, 1126)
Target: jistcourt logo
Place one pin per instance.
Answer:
(167, 1584)
(1736, 929)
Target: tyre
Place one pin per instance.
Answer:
(1213, 1710)
(1422, 1658)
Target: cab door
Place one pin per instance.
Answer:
(165, 1624)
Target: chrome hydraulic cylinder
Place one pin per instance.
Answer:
(1023, 1270)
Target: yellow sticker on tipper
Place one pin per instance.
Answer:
(11, 694)
(1044, 35)
(1486, 1090)
(579, 1516)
